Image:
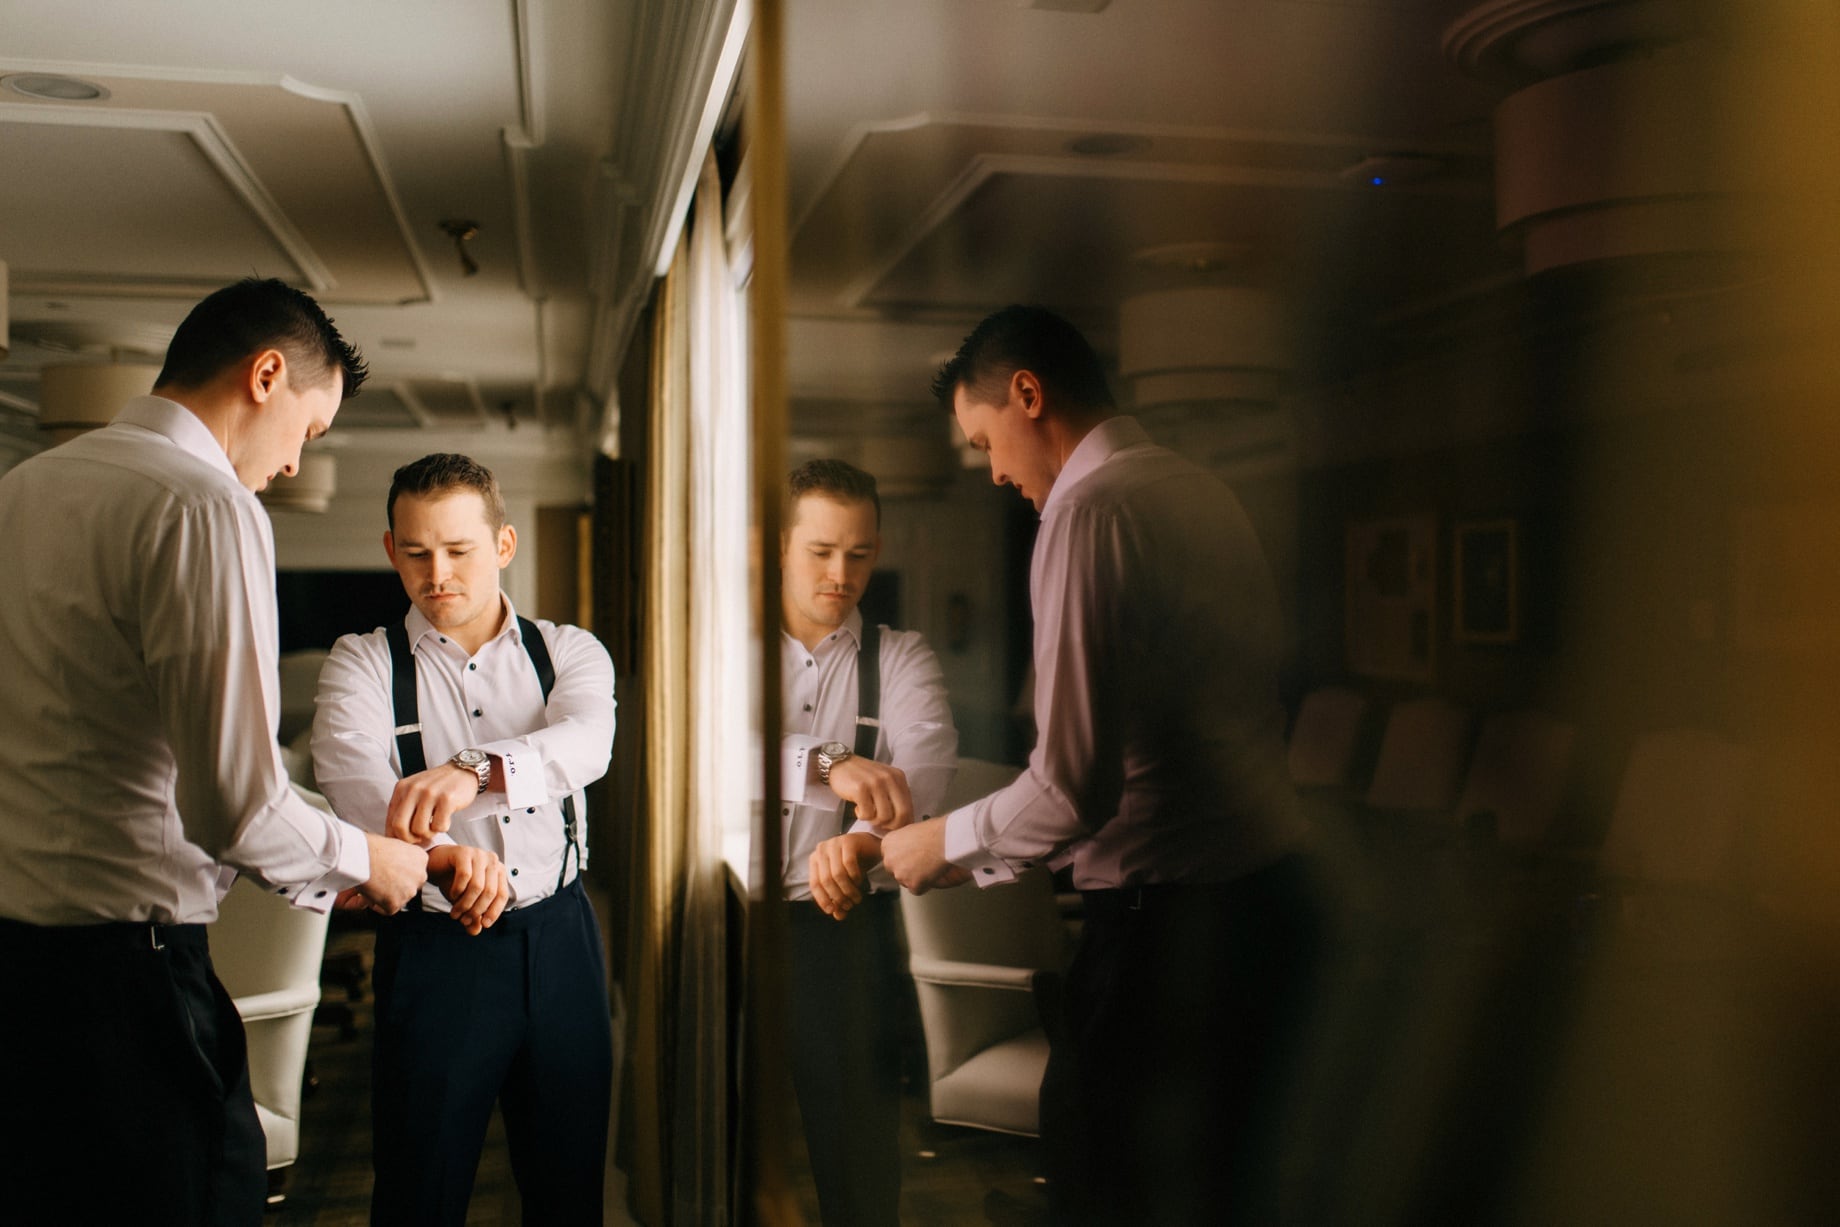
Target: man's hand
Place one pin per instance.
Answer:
(879, 791)
(840, 871)
(398, 871)
(425, 803)
(916, 856)
(473, 879)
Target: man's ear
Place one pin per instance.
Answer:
(1025, 392)
(507, 546)
(267, 371)
(389, 546)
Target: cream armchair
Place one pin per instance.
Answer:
(267, 953)
(985, 964)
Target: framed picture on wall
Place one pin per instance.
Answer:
(1485, 582)
(1390, 593)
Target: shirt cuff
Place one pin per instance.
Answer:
(963, 850)
(522, 772)
(352, 869)
(799, 783)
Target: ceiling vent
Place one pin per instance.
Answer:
(909, 466)
(1393, 169)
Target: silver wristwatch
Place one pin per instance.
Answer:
(478, 762)
(829, 755)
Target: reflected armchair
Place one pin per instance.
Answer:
(986, 964)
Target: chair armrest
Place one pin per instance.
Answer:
(972, 975)
(278, 1004)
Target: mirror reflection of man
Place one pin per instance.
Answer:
(1158, 779)
(139, 773)
(493, 990)
(850, 775)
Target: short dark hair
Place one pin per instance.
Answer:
(444, 473)
(1024, 338)
(831, 478)
(253, 315)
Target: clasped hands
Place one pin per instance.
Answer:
(839, 867)
(421, 806)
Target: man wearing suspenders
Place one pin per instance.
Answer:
(868, 746)
(471, 731)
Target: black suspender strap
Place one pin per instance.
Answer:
(409, 749)
(402, 693)
(868, 702)
(538, 651)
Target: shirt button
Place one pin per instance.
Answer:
(281, 890)
(507, 818)
(810, 663)
(786, 812)
(1028, 864)
(531, 810)
(477, 713)
(319, 894)
(987, 869)
(472, 666)
(808, 707)
(514, 873)
(443, 638)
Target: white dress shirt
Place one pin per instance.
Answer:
(489, 701)
(138, 639)
(917, 735)
(1160, 747)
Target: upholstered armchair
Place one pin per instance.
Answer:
(986, 964)
(267, 953)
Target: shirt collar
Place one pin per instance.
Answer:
(1101, 443)
(852, 626)
(418, 625)
(179, 425)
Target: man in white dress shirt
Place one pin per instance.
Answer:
(139, 773)
(868, 746)
(1158, 780)
(472, 731)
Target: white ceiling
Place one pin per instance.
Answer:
(939, 169)
(942, 162)
(325, 143)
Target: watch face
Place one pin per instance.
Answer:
(833, 749)
(471, 758)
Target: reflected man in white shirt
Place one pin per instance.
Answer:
(865, 750)
(139, 773)
(1158, 781)
(471, 731)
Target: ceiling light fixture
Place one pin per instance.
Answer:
(310, 489)
(75, 397)
(50, 87)
(460, 230)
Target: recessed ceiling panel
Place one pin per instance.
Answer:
(90, 203)
(302, 161)
(1075, 240)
